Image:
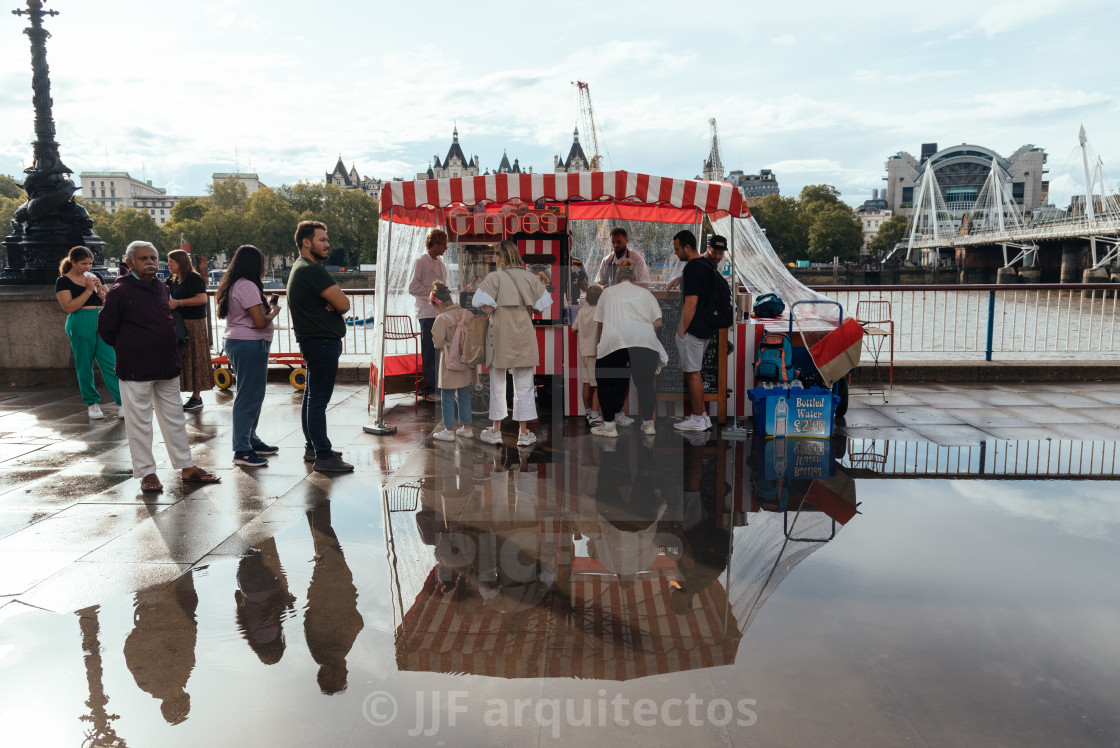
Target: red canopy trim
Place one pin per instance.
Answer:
(714, 199)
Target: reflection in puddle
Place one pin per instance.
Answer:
(632, 572)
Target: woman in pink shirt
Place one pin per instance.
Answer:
(249, 329)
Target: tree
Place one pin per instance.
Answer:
(10, 188)
(351, 218)
(787, 234)
(890, 233)
(305, 199)
(228, 195)
(129, 225)
(272, 222)
(189, 209)
(834, 232)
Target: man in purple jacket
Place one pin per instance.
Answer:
(136, 322)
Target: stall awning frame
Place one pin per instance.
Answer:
(646, 197)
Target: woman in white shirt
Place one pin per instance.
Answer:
(507, 295)
(629, 316)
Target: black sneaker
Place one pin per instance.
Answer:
(309, 454)
(333, 464)
(193, 403)
(265, 449)
(249, 459)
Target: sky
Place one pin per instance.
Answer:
(819, 92)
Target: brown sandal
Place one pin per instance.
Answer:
(198, 475)
(150, 484)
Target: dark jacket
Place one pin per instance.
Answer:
(136, 322)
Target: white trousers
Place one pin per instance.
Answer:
(524, 404)
(138, 400)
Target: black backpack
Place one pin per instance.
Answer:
(721, 310)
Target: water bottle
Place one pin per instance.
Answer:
(779, 457)
(781, 414)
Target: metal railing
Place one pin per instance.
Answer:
(1010, 322)
(1075, 321)
(1026, 458)
(358, 343)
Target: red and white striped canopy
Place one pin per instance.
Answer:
(714, 199)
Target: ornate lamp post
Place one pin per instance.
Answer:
(50, 222)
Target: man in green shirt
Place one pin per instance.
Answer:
(317, 306)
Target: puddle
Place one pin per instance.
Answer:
(639, 590)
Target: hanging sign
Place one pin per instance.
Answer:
(461, 221)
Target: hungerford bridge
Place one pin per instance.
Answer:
(994, 234)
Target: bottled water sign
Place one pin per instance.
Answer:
(795, 412)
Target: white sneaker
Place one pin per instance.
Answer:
(465, 431)
(524, 440)
(95, 412)
(707, 421)
(433, 397)
(648, 428)
(623, 420)
(444, 435)
(490, 436)
(692, 423)
(606, 428)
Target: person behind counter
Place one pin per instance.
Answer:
(717, 248)
(427, 269)
(80, 294)
(587, 336)
(620, 242)
(507, 295)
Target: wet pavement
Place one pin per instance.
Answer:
(942, 572)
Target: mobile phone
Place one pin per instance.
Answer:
(274, 300)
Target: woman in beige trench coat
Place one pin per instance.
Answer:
(507, 295)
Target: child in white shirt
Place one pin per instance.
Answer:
(587, 338)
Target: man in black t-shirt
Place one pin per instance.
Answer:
(694, 331)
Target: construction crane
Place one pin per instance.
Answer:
(587, 115)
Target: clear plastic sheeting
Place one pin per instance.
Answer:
(401, 244)
(591, 243)
(765, 551)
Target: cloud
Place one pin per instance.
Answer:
(875, 77)
(784, 40)
(1081, 511)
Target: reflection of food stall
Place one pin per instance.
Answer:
(535, 210)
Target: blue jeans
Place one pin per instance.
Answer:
(249, 359)
(447, 405)
(320, 356)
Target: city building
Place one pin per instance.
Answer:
(251, 181)
(349, 180)
(455, 165)
(871, 215)
(577, 160)
(754, 186)
(116, 189)
(960, 172)
(505, 168)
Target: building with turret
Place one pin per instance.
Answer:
(505, 168)
(349, 180)
(455, 165)
(577, 160)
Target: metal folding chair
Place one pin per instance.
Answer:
(878, 329)
(399, 327)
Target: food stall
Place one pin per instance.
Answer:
(538, 211)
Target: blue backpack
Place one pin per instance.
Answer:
(773, 362)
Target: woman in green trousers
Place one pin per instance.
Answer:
(80, 294)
